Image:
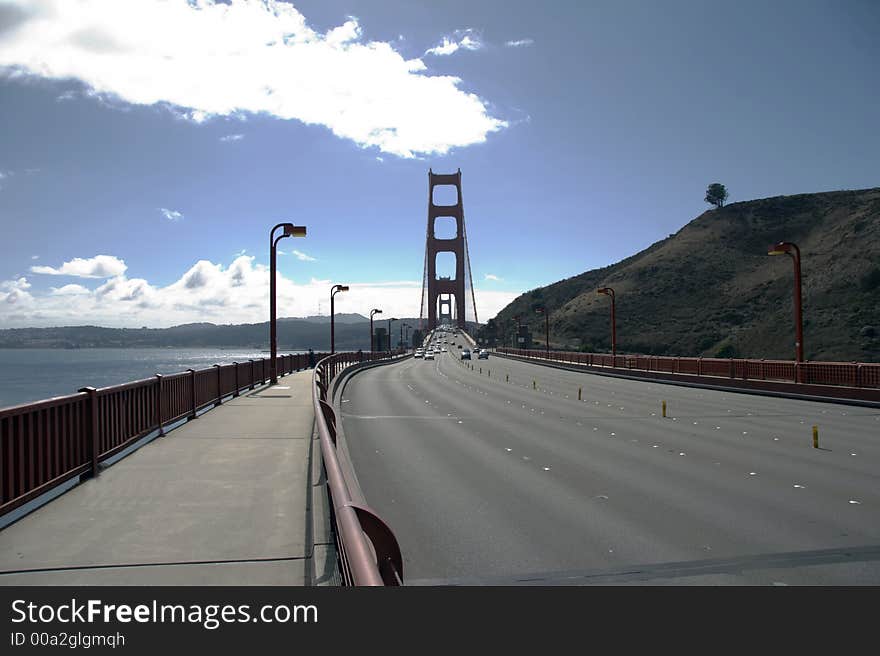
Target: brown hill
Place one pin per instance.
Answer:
(712, 290)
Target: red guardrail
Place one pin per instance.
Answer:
(368, 551)
(861, 375)
(46, 443)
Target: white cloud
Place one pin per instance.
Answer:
(519, 43)
(35, 257)
(202, 59)
(232, 137)
(100, 266)
(14, 293)
(492, 277)
(238, 293)
(302, 257)
(68, 290)
(467, 39)
(171, 215)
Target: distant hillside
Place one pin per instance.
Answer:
(352, 333)
(711, 289)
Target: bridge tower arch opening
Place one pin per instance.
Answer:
(446, 298)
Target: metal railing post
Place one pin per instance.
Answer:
(92, 444)
(192, 385)
(237, 386)
(252, 373)
(159, 413)
(219, 399)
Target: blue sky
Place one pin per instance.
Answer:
(147, 147)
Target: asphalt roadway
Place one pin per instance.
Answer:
(502, 476)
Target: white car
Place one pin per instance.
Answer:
(429, 355)
(419, 353)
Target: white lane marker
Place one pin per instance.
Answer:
(799, 486)
(594, 428)
(546, 469)
(718, 428)
(853, 501)
(613, 434)
(852, 454)
(604, 497)
(508, 450)
(656, 446)
(753, 473)
(681, 453)
(745, 432)
(526, 458)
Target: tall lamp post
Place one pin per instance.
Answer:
(389, 332)
(289, 230)
(543, 310)
(788, 248)
(607, 291)
(372, 312)
(335, 289)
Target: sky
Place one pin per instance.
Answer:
(148, 146)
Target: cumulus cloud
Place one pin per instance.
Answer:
(519, 43)
(492, 277)
(302, 257)
(14, 292)
(69, 290)
(206, 58)
(208, 291)
(171, 215)
(467, 39)
(100, 266)
(232, 137)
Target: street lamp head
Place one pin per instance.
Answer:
(394, 319)
(375, 311)
(605, 290)
(339, 288)
(291, 230)
(782, 248)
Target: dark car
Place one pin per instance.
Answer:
(466, 354)
(484, 354)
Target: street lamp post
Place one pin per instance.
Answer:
(788, 248)
(333, 291)
(372, 312)
(389, 332)
(607, 291)
(543, 310)
(290, 230)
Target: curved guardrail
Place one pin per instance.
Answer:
(368, 551)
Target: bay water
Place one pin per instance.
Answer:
(28, 375)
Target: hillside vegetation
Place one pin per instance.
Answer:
(711, 289)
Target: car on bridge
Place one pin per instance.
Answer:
(429, 354)
(483, 355)
(466, 354)
(419, 353)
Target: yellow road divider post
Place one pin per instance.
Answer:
(506, 378)
(815, 437)
(580, 393)
(534, 384)
(664, 408)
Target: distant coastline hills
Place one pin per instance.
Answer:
(294, 334)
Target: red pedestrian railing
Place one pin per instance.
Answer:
(368, 551)
(861, 375)
(49, 442)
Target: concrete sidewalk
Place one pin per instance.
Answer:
(234, 497)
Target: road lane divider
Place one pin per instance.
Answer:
(815, 437)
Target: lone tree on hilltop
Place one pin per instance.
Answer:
(716, 194)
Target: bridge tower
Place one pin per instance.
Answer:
(454, 294)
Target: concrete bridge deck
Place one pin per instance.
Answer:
(234, 497)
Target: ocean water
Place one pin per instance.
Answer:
(28, 375)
